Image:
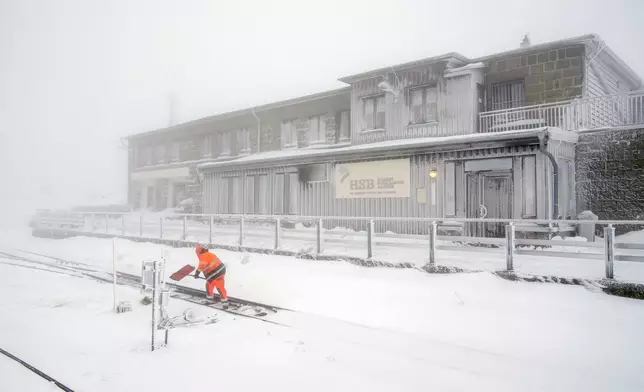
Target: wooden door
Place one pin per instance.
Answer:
(497, 199)
(489, 195)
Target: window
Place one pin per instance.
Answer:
(223, 195)
(174, 151)
(243, 141)
(236, 195)
(506, 95)
(262, 198)
(450, 189)
(422, 105)
(159, 153)
(317, 129)
(146, 156)
(285, 192)
(206, 146)
(313, 173)
(224, 144)
(374, 112)
(345, 126)
(249, 205)
(257, 200)
(289, 134)
(292, 195)
(529, 187)
(278, 194)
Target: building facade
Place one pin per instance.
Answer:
(163, 163)
(443, 137)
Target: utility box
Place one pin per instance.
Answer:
(148, 270)
(587, 230)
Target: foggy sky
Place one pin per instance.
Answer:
(75, 75)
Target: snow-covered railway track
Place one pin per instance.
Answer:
(184, 293)
(37, 371)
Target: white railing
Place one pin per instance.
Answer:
(373, 239)
(548, 115)
(615, 110)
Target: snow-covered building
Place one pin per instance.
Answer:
(441, 137)
(163, 163)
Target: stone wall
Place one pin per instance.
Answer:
(548, 76)
(610, 174)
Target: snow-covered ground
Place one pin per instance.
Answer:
(353, 328)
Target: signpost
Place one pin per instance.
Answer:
(153, 282)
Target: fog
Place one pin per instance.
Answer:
(77, 75)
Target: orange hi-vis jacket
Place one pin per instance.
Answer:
(210, 264)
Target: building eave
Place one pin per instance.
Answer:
(380, 150)
(617, 64)
(404, 66)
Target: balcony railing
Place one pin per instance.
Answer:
(585, 113)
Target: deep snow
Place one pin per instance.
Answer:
(356, 328)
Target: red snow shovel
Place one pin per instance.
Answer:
(182, 273)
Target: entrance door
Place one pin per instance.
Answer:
(489, 195)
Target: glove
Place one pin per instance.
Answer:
(196, 274)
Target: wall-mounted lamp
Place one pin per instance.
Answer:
(433, 173)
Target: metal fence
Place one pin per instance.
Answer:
(623, 109)
(541, 247)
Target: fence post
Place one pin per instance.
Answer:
(370, 228)
(432, 242)
(241, 231)
(185, 224)
(141, 226)
(509, 247)
(210, 230)
(319, 238)
(609, 250)
(161, 228)
(277, 233)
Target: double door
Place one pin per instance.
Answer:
(489, 195)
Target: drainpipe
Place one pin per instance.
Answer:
(543, 140)
(259, 129)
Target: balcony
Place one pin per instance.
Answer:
(625, 109)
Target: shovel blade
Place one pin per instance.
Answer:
(182, 272)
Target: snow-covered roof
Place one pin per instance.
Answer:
(450, 57)
(380, 149)
(248, 111)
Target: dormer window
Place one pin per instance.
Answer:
(374, 112)
(289, 134)
(422, 105)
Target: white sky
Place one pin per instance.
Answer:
(75, 75)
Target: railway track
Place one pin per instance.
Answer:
(184, 293)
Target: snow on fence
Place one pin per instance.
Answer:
(530, 246)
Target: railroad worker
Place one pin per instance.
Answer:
(214, 271)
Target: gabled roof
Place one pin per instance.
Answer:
(449, 57)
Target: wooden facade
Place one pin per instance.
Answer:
(454, 93)
(285, 158)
